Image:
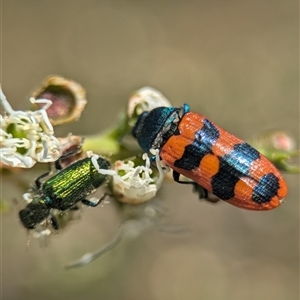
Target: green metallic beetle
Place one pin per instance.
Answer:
(64, 190)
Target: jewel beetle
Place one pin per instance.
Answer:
(214, 159)
(64, 190)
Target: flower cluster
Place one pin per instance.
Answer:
(279, 147)
(133, 184)
(27, 137)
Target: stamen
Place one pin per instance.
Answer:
(5, 104)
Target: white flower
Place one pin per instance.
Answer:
(27, 137)
(146, 99)
(133, 184)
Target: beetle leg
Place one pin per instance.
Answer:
(54, 223)
(38, 180)
(201, 191)
(92, 203)
(74, 208)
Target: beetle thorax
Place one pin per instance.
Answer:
(169, 128)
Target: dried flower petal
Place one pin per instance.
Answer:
(145, 99)
(67, 97)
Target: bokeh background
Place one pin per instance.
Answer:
(234, 61)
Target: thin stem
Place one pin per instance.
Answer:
(91, 256)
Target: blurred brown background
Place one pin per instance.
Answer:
(234, 61)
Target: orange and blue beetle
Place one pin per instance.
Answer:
(214, 159)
